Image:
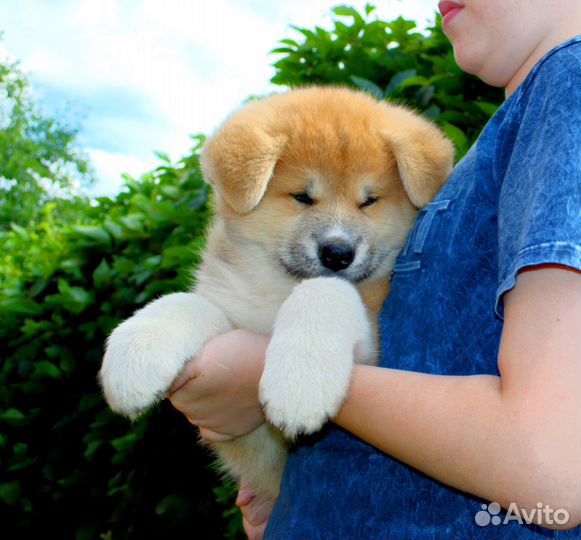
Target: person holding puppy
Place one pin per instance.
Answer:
(477, 402)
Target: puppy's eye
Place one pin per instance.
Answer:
(303, 198)
(369, 201)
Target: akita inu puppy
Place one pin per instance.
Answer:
(315, 192)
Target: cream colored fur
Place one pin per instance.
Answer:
(260, 271)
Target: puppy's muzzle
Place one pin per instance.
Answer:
(336, 256)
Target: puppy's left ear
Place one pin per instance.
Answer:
(423, 154)
(239, 161)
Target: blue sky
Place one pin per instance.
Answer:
(143, 75)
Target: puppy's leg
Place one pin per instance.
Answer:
(319, 331)
(255, 460)
(145, 353)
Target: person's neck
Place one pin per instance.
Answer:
(545, 45)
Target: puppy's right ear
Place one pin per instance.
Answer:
(423, 154)
(239, 161)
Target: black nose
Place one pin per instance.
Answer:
(336, 256)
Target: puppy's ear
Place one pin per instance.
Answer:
(239, 161)
(423, 154)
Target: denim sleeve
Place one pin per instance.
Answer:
(539, 214)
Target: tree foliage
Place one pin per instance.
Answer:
(69, 468)
(39, 160)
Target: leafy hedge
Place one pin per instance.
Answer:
(69, 468)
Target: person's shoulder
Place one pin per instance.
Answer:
(560, 69)
(563, 61)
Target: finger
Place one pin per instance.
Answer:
(214, 437)
(185, 394)
(254, 532)
(179, 383)
(183, 400)
(244, 497)
(258, 508)
(188, 373)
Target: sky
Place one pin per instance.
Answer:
(139, 76)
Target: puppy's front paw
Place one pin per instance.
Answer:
(138, 367)
(145, 353)
(299, 394)
(310, 357)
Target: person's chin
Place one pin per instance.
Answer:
(466, 57)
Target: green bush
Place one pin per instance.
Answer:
(69, 467)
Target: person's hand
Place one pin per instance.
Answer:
(218, 390)
(256, 510)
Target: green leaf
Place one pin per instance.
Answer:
(123, 265)
(67, 362)
(19, 449)
(290, 42)
(13, 417)
(162, 157)
(72, 265)
(37, 288)
(172, 192)
(173, 505)
(20, 231)
(413, 81)
(10, 492)
(400, 27)
(46, 369)
(458, 137)
(368, 86)
(102, 274)
(125, 443)
(88, 401)
(398, 78)
(487, 108)
(94, 234)
(77, 296)
(280, 50)
(432, 113)
(133, 222)
(307, 33)
(369, 8)
(92, 448)
(20, 306)
(348, 11)
(113, 228)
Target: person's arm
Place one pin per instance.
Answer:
(513, 438)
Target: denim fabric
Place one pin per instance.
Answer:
(513, 201)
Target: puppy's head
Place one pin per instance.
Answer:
(325, 181)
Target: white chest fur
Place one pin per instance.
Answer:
(249, 294)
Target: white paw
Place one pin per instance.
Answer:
(310, 357)
(299, 396)
(145, 353)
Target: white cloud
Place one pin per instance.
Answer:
(110, 165)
